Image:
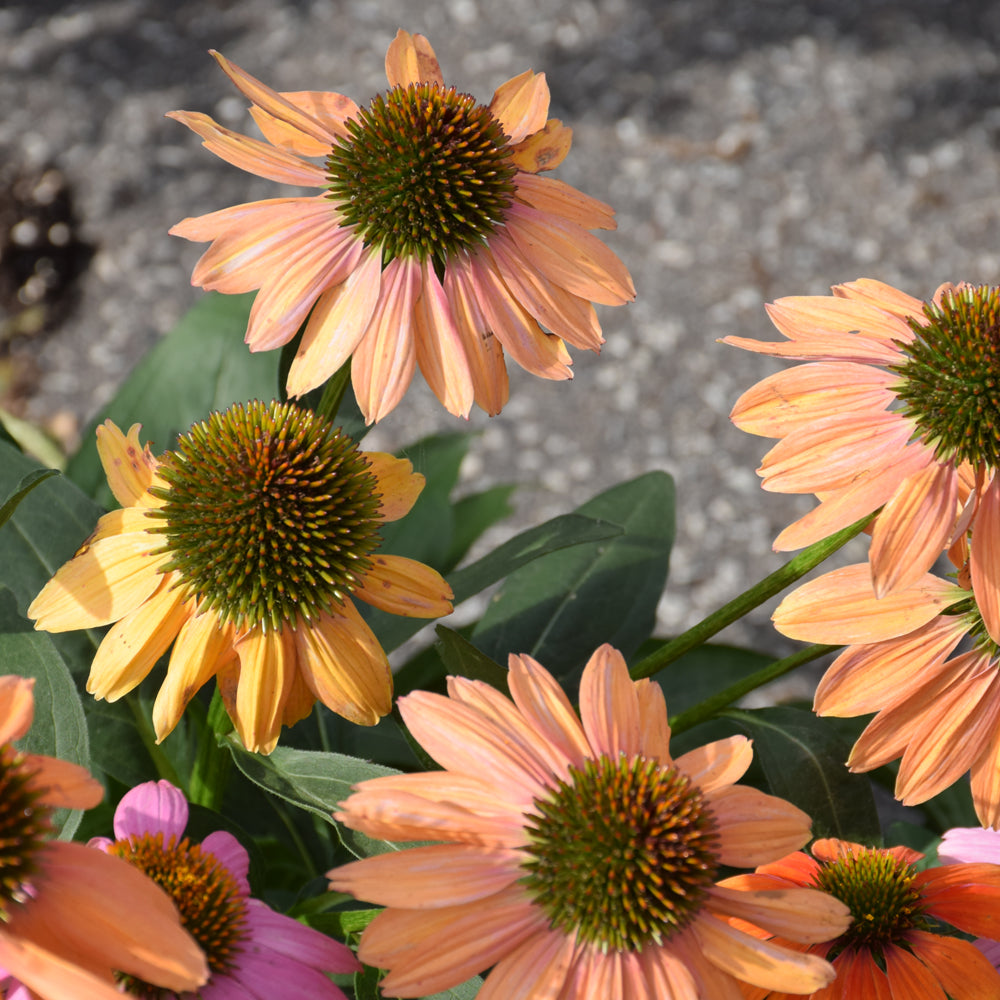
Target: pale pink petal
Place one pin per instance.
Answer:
(251, 155)
(536, 970)
(329, 109)
(521, 105)
(385, 358)
(152, 807)
(653, 722)
(338, 321)
(232, 855)
(984, 559)
(668, 975)
(820, 317)
(609, 707)
(411, 59)
(882, 296)
(914, 528)
(755, 828)
(718, 764)
(440, 350)
(550, 195)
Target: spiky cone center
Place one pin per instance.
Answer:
(25, 825)
(270, 514)
(878, 889)
(426, 172)
(621, 853)
(207, 896)
(951, 376)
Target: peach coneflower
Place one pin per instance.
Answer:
(253, 952)
(246, 545)
(579, 858)
(435, 242)
(939, 712)
(70, 918)
(899, 408)
(894, 949)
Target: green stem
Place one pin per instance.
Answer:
(147, 734)
(723, 699)
(773, 584)
(333, 392)
(210, 774)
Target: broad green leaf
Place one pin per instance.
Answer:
(463, 659)
(464, 991)
(560, 532)
(45, 530)
(23, 488)
(59, 728)
(560, 608)
(473, 515)
(313, 781)
(803, 761)
(201, 365)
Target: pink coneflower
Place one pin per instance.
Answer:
(70, 918)
(435, 242)
(937, 711)
(253, 952)
(899, 408)
(579, 858)
(895, 948)
(245, 547)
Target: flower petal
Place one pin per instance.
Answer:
(128, 465)
(755, 828)
(267, 660)
(62, 784)
(909, 977)
(152, 807)
(549, 195)
(402, 586)
(521, 105)
(805, 915)
(961, 969)
(544, 149)
(718, 764)
(984, 559)
(17, 707)
(537, 970)
(609, 707)
(411, 59)
(331, 110)
(398, 484)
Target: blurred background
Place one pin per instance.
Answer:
(751, 149)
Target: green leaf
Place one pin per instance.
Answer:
(23, 488)
(464, 991)
(59, 728)
(560, 532)
(201, 365)
(560, 608)
(45, 530)
(472, 516)
(803, 762)
(463, 659)
(313, 781)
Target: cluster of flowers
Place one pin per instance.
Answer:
(570, 852)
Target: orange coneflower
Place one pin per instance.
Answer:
(939, 712)
(246, 544)
(899, 408)
(435, 243)
(894, 949)
(69, 917)
(579, 857)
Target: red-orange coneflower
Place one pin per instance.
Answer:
(937, 711)
(898, 408)
(71, 918)
(246, 545)
(434, 243)
(579, 857)
(894, 949)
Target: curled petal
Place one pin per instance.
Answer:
(521, 105)
(411, 59)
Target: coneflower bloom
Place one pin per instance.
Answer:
(253, 952)
(435, 241)
(579, 857)
(894, 949)
(246, 545)
(70, 919)
(898, 408)
(938, 709)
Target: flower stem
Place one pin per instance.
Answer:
(333, 392)
(210, 773)
(724, 698)
(144, 727)
(776, 582)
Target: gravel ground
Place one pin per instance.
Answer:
(751, 150)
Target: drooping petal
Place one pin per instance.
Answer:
(267, 660)
(344, 665)
(963, 970)
(521, 105)
(840, 607)
(536, 970)
(914, 528)
(251, 155)
(385, 358)
(984, 559)
(985, 782)
(331, 110)
(805, 915)
(549, 195)
(411, 59)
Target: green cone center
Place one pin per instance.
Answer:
(211, 906)
(621, 853)
(270, 515)
(878, 889)
(426, 172)
(25, 825)
(951, 376)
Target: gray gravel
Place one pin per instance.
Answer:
(751, 149)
